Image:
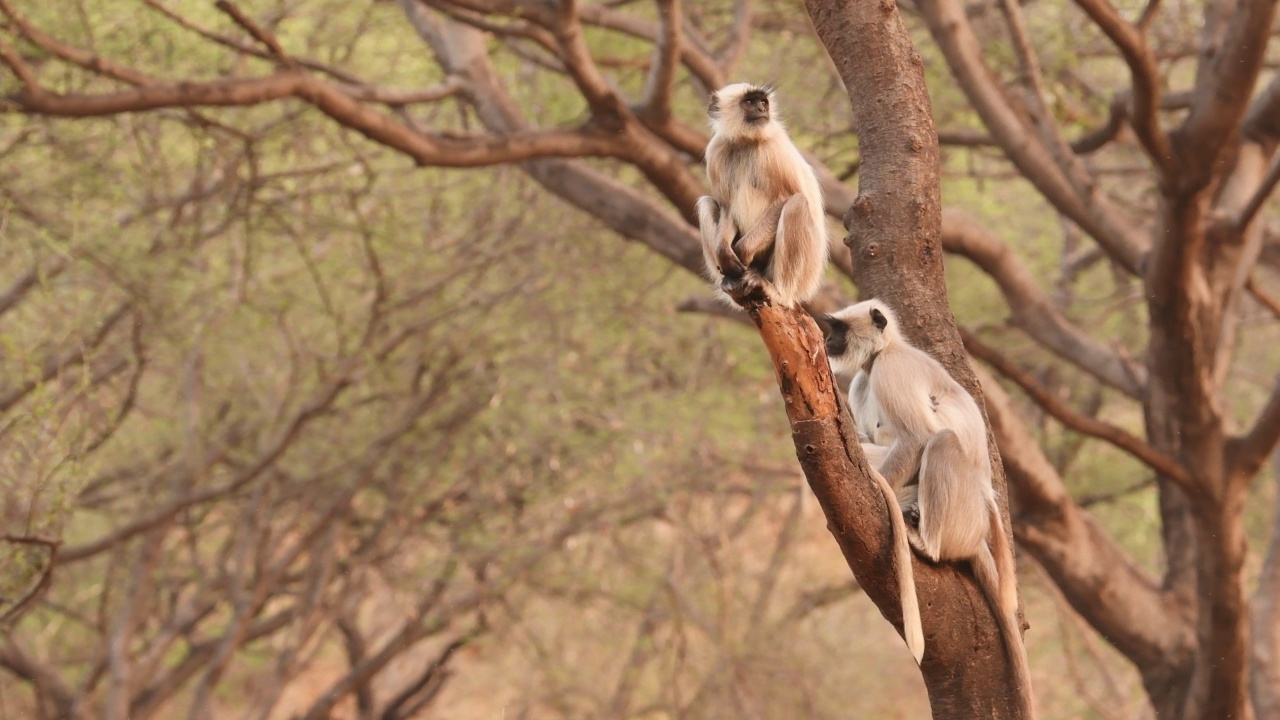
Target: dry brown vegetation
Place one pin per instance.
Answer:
(328, 390)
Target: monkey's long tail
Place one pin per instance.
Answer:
(996, 578)
(912, 632)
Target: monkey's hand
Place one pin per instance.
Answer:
(756, 244)
(717, 231)
(748, 287)
(731, 266)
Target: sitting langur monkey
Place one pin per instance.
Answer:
(765, 214)
(937, 428)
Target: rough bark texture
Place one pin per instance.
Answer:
(895, 238)
(965, 667)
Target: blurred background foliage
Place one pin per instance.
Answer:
(319, 431)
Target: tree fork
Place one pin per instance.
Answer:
(895, 236)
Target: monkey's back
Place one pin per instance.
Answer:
(923, 398)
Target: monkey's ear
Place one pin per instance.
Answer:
(714, 107)
(878, 318)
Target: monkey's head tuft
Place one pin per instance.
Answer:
(857, 334)
(743, 111)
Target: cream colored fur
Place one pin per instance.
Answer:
(937, 429)
(763, 191)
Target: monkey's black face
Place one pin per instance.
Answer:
(836, 333)
(755, 107)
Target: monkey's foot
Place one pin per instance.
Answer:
(911, 513)
(750, 288)
(731, 266)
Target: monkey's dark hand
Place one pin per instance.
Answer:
(749, 287)
(730, 264)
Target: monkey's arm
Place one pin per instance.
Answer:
(902, 461)
(717, 231)
(761, 236)
(904, 390)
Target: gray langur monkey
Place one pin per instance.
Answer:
(937, 429)
(764, 217)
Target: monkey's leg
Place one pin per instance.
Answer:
(760, 238)
(909, 503)
(952, 505)
(875, 453)
(902, 461)
(716, 229)
(799, 250)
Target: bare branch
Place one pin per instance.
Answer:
(739, 33)
(606, 107)
(1260, 196)
(17, 65)
(258, 32)
(1250, 451)
(1120, 599)
(1072, 196)
(1132, 44)
(1031, 310)
(1092, 427)
(1225, 79)
(74, 55)
(1263, 297)
(43, 579)
(73, 357)
(662, 71)
(48, 683)
(425, 149)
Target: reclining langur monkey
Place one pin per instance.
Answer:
(765, 214)
(938, 429)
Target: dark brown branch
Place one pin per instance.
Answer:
(1263, 297)
(73, 55)
(17, 65)
(1225, 80)
(1088, 209)
(259, 33)
(606, 107)
(1092, 427)
(426, 149)
(48, 683)
(43, 579)
(1260, 195)
(1145, 75)
(1249, 452)
(1031, 309)
(662, 72)
(964, 138)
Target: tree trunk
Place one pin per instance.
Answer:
(894, 234)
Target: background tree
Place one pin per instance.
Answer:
(203, 499)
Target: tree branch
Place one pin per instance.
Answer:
(1225, 81)
(1031, 310)
(1091, 210)
(1080, 423)
(662, 71)
(257, 32)
(1118, 598)
(1250, 451)
(1132, 44)
(1260, 195)
(425, 149)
